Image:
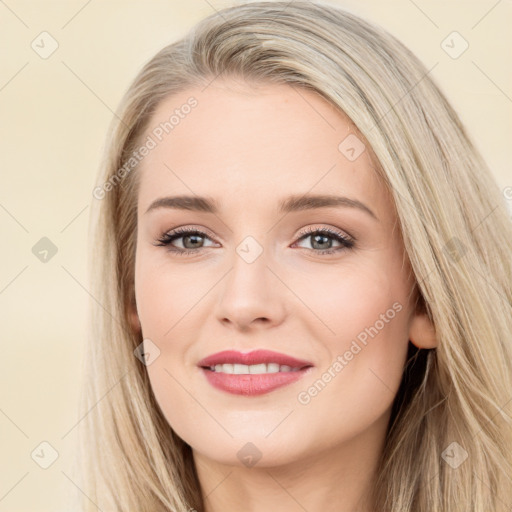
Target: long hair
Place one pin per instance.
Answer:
(449, 441)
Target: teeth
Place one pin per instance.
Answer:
(240, 369)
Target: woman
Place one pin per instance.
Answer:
(302, 281)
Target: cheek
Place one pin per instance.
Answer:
(368, 316)
(165, 294)
(359, 300)
(368, 313)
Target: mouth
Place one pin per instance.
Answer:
(252, 373)
(253, 369)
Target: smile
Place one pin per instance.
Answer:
(244, 369)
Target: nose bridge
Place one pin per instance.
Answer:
(250, 291)
(248, 274)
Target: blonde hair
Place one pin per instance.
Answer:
(456, 231)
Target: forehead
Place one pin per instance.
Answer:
(256, 142)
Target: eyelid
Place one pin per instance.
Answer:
(190, 228)
(310, 229)
(328, 229)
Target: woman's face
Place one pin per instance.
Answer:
(261, 277)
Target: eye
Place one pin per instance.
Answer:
(191, 240)
(321, 240)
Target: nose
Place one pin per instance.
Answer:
(252, 295)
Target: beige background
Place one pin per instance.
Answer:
(55, 114)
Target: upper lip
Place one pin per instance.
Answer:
(254, 357)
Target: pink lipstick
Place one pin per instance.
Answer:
(253, 373)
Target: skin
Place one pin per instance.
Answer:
(248, 147)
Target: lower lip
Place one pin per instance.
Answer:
(252, 384)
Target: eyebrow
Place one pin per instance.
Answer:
(291, 204)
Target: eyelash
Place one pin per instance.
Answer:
(167, 238)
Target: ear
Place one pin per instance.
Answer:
(422, 333)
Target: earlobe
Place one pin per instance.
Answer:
(422, 333)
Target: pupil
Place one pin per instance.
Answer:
(315, 240)
(196, 237)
